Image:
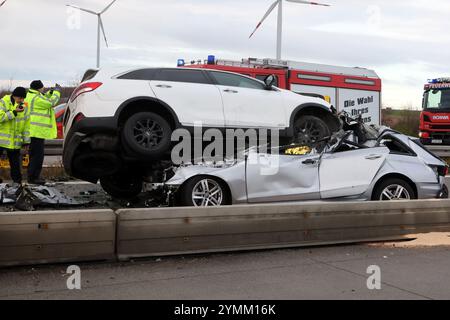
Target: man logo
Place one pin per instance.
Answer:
(374, 281)
(74, 280)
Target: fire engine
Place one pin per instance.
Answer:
(435, 117)
(354, 90)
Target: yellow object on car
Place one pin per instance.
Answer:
(298, 151)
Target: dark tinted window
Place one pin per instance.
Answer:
(181, 75)
(234, 80)
(263, 77)
(141, 74)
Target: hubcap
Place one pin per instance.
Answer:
(207, 193)
(309, 132)
(148, 133)
(395, 192)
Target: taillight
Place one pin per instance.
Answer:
(84, 88)
(441, 171)
(78, 117)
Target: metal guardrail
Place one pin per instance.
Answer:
(87, 235)
(159, 232)
(54, 147)
(440, 151)
(56, 236)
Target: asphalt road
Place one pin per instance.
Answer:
(318, 273)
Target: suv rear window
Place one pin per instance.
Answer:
(181, 75)
(141, 74)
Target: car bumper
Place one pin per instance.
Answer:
(433, 190)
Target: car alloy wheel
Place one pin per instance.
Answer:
(148, 133)
(309, 130)
(395, 192)
(207, 193)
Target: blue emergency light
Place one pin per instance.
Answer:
(180, 63)
(211, 59)
(439, 80)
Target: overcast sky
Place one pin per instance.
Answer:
(405, 41)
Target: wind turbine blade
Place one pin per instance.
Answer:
(1, 4)
(103, 30)
(265, 16)
(309, 2)
(85, 10)
(109, 6)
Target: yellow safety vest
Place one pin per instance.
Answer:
(14, 132)
(42, 121)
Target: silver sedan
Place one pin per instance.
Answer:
(383, 165)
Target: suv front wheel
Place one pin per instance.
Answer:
(147, 134)
(308, 130)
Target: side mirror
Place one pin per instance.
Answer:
(269, 81)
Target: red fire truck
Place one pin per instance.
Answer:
(354, 90)
(435, 117)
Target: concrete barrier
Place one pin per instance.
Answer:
(57, 236)
(159, 232)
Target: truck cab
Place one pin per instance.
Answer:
(435, 117)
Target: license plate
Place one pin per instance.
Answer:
(437, 141)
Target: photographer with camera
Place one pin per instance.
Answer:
(13, 130)
(41, 124)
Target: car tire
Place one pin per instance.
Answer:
(310, 129)
(200, 185)
(122, 186)
(444, 193)
(147, 134)
(97, 164)
(394, 189)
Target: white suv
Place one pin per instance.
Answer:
(119, 123)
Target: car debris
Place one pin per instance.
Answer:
(28, 197)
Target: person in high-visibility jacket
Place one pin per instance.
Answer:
(14, 132)
(42, 126)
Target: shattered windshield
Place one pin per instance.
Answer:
(436, 99)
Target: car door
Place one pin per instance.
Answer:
(247, 103)
(349, 173)
(192, 95)
(273, 177)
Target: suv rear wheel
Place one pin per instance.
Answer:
(147, 134)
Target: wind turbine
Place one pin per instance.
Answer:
(99, 28)
(279, 3)
(3, 2)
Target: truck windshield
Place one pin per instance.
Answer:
(437, 99)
